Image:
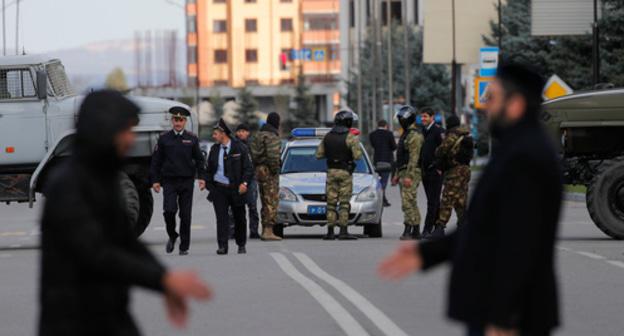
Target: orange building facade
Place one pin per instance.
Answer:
(238, 43)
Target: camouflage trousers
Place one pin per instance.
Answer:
(409, 204)
(338, 188)
(269, 195)
(454, 194)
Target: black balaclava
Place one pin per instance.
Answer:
(102, 115)
(452, 122)
(273, 119)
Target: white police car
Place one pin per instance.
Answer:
(302, 198)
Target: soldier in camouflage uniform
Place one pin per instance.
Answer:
(456, 169)
(408, 171)
(341, 148)
(265, 153)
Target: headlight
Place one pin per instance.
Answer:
(367, 195)
(287, 195)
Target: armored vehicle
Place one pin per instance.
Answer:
(589, 127)
(37, 114)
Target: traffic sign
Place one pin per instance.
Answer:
(480, 91)
(489, 61)
(556, 87)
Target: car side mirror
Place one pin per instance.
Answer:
(383, 167)
(42, 85)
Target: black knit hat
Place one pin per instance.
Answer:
(522, 79)
(222, 126)
(452, 122)
(242, 127)
(273, 119)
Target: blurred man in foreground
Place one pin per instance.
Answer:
(89, 254)
(503, 278)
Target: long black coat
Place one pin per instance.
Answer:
(433, 139)
(89, 254)
(384, 145)
(502, 258)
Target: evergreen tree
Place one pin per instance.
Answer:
(247, 108)
(304, 112)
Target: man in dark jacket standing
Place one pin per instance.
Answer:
(89, 254)
(176, 162)
(384, 145)
(431, 177)
(503, 278)
(251, 200)
(229, 174)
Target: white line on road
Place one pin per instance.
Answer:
(345, 320)
(616, 263)
(591, 255)
(383, 322)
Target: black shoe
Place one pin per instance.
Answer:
(184, 252)
(416, 232)
(242, 250)
(407, 232)
(344, 234)
(438, 232)
(254, 235)
(386, 203)
(222, 251)
(171, 245)
(330, 233)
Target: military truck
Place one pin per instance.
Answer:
(38, 110)
(589, 127)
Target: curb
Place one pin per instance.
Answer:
(574, 197)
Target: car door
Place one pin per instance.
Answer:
(22, 121)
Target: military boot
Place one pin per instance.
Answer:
(344, 234)
(416, 232)
(268, 235)
(438, 232)
(407, 233)
(330, 233)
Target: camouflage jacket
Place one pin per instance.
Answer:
(266, 149)
(352, 142)
(447, 151)
(413, 143)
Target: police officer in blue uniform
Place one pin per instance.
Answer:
(176, 162)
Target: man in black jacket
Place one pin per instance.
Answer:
(384, 145)
(229, 174)
(503, 278)
(431, 176)
(176, 162)
(89, 254)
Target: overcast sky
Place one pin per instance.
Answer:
(47, 25)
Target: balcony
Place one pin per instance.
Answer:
(321, 36)
(321, 68)
(320, 6)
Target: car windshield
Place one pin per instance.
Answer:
(303, 160)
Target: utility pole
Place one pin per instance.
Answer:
(357, 6)
(378, 66)
(390, 79)
(453, 65)
(17, 17)
(406, 55)
(596, 46)
(500, 29)
(373, 21)
(3, 27)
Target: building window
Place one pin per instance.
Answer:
(191, 24)
(351, 14)
(252, 82)
(219, 26)
(192, 54)
(220, 56)
(251, 55)
(251, 25)
(396, 12)
(287, 81)
(286, 25)
(218, 1)
(321, 22)
(220, 82)
(285, 0)
(250, 1)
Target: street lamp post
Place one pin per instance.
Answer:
(596, 46)
(453, 64)
(3, 27)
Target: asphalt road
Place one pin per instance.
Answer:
(306, 286)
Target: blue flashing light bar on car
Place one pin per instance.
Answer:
(309, 132)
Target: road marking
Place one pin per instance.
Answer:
(13, 234)
(343, 318)
(383, 322)
(591, 255)
(616, 263)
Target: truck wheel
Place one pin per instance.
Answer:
(605, 198)
(373, 230)
(131, 199)
(146, 209)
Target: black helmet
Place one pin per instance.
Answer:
(345, 118)
(406, 116)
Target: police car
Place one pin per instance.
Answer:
(302, 198)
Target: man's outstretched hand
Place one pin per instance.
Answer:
(179, 287)
(404, 261)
